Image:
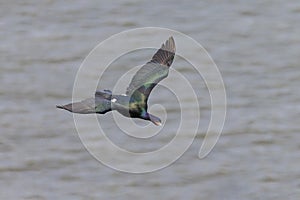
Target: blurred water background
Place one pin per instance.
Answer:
(256, 47)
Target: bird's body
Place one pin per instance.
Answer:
(134, 103)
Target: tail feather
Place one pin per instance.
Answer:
(100, 104)
(83, 107)
(88, 106)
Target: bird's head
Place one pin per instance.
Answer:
(155, 120)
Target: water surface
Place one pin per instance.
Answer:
(256, 47)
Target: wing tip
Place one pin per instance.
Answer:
(169, 45)
(171, 39)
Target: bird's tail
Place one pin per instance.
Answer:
(86, 106)
(100, 104)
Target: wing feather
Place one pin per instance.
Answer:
(149, 75)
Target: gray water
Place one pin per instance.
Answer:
(256, 47)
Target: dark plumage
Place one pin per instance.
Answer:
(134, 103)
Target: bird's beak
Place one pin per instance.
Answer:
(157, 123)
(155, 120)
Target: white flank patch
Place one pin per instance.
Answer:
(113, 100)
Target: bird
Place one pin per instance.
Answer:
(134, 104)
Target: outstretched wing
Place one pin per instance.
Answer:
(152, 73)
